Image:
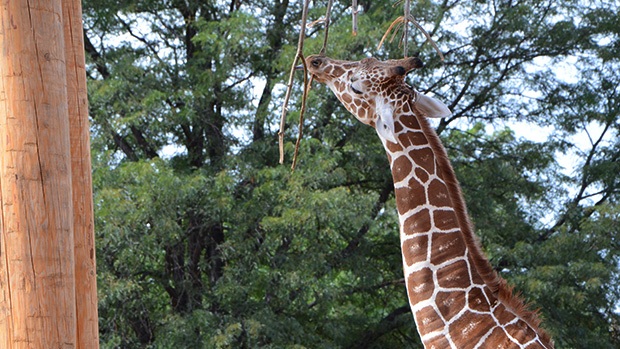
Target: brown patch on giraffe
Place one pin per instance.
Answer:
(499, 339)
(406, 108)
(503, 315)
(419, 222)
(477, 301)
(411, 138)
(438, 195)
(490, 296)
(420, 284)
(415, 249)
(398, 127)
(445, 246)
(346, 98)
(410, 198)
(520, 331)
(437, 343)
(362, 113)
(450, 303)
(424, 158)
(469, 328)
(393, 147)
(337, 71)
(445, 220)
(338, 85)
(401, 168)
(428, 320)
(453, 275)
(410, 121)
(421, 174)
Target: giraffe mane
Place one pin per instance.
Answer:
(500, 288)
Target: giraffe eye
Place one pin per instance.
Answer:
(316, 63)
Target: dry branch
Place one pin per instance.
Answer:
(327, 22)
(400, 21)
(289, 88)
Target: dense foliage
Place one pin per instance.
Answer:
(204, 241)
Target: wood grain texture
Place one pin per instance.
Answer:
(83, 217)
(37, 269)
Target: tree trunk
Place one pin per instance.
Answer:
(37, 245)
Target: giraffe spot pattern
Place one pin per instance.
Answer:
(445, 246)
(445, 220)
(454, 275)
(410, 121)
(419, 222)
(468, 328)
(410, 197)
(424, 158)
(338, 71)
(503, 315)
(417, 248)
(420, 284)
(409, 138)
(346, 98)
(438, 194)
(520, 331)
(450, 304)
(429, 319)
(401, 168)
(437, 343)
(477, 300)
(397, 125)
(499, 339)
(421, 174)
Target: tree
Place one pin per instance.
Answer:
(204, 241)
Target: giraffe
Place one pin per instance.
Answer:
(456, 297)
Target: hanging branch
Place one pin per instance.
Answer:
(354, 17)
(399, 21)
(298, 55)
(327, 22)
(302, 112)
(406, 29)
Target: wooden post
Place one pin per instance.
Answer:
(37, 245)
(83, 217)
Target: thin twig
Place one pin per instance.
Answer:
(327, 22)
(395, 22)
(428, 37)
(300, 46)
(399, 21)
(406, 28)
(354, 17)
(302, 112)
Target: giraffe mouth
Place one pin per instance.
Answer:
(356, 91)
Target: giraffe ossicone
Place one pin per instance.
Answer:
(456, 297)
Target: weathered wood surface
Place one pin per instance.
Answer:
(41, 90)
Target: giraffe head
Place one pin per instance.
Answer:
(371, 89)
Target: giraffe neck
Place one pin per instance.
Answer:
(457, 299)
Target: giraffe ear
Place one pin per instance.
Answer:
(431, 108)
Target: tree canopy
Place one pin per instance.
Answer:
(205, 241)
